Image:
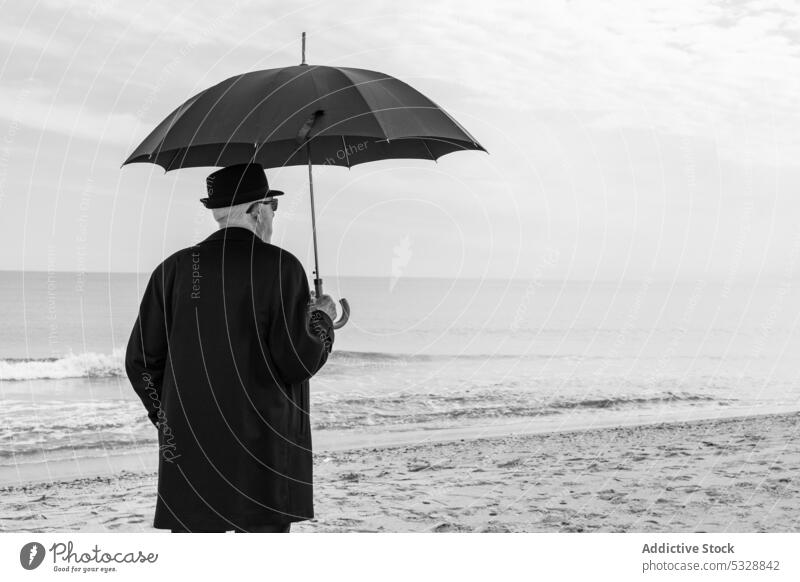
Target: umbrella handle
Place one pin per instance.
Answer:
(345, 314)
(345, 305)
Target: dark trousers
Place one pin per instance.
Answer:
(266, 528)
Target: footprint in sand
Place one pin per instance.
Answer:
(112, 519)
(494, 528)
(511, 463)
(449, 527)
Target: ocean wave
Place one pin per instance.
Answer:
(84, 365)
(114, 425)
(666, 398)
(438, 408)
(74, 449)
(95, 365)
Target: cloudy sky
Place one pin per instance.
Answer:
(626, 139)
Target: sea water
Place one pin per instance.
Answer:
(423, 355)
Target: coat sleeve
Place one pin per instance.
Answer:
(147, 352)
(299, 343)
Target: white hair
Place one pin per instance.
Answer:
(232, 215)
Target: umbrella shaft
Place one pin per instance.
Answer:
(317, 279)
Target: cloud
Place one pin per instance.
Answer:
(676, 67)
(33, 106)
(554, 90)
(30, 38)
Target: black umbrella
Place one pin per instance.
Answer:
(304, 115)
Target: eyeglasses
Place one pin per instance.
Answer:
(272, 202)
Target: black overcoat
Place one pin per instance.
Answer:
(221, 355)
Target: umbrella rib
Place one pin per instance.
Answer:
(425, 143)
(346, 156)
(355, 87)
(177, 117)
(175, 154)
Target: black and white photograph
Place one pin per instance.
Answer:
(417, 267)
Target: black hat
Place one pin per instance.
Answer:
(236, 185)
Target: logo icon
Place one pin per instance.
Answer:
(402, 256)
(31, 555)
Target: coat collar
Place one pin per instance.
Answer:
(232, 233)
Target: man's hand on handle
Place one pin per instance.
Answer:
(323, 303)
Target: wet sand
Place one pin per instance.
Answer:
(725, 475)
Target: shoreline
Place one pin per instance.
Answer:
(737, 473)
(145, 459)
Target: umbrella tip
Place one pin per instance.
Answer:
(304, 48)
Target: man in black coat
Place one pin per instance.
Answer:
(221, 355)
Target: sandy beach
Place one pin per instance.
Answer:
(724, 475)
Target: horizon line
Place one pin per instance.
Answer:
(694, 278)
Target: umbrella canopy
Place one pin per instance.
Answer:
(304, 115)
(358, 116)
